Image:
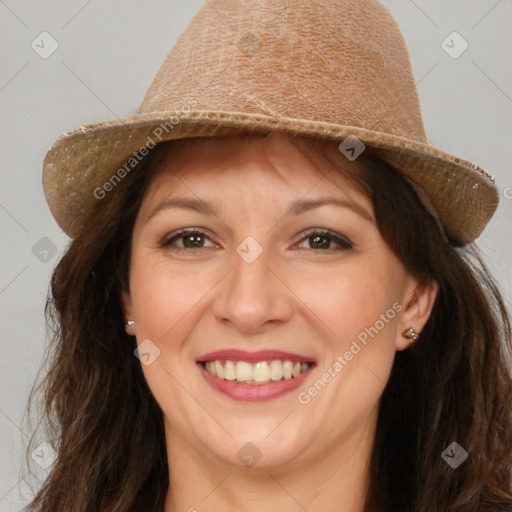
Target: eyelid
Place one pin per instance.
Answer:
(167, 239)
(338, 238)
(342, 241)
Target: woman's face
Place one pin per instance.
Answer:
(284, 282)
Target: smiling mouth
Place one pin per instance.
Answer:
(262, 372)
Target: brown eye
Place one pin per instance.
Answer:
(324, 239)
(187, 239)
(320, 242)
(193, 240)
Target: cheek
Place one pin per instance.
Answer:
(167, 303)
(163, 297)
(361, 312)
(357, 306)
(354, 300)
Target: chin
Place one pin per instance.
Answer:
(263, 443)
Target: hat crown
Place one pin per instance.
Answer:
(309, 68)
(330, 61)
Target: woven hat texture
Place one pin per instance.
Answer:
(328, 69)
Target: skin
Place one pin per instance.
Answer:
(294, 297)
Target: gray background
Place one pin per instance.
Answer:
(107, 56)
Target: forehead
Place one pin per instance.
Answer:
(281, 163)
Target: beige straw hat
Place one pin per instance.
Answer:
(329, 69)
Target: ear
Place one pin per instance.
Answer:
(127, 307)
(417, 307)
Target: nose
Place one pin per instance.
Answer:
(252, 298)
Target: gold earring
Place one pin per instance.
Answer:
(411, 334)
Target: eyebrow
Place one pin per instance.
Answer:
(296, 208)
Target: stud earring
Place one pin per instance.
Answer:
(411, 334)
(129, 323)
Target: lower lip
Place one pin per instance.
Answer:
(255, 392)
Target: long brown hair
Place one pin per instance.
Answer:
(454, 384)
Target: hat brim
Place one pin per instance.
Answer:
(83, 161)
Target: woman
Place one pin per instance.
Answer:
(272, 299)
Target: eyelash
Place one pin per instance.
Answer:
(343, 242)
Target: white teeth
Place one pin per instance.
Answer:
(219, 370)
(262, 372)
(210, 367)
(243, 371)
(276, 370)
(229, 370)
(287, 369)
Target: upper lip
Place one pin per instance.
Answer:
(253, 357)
